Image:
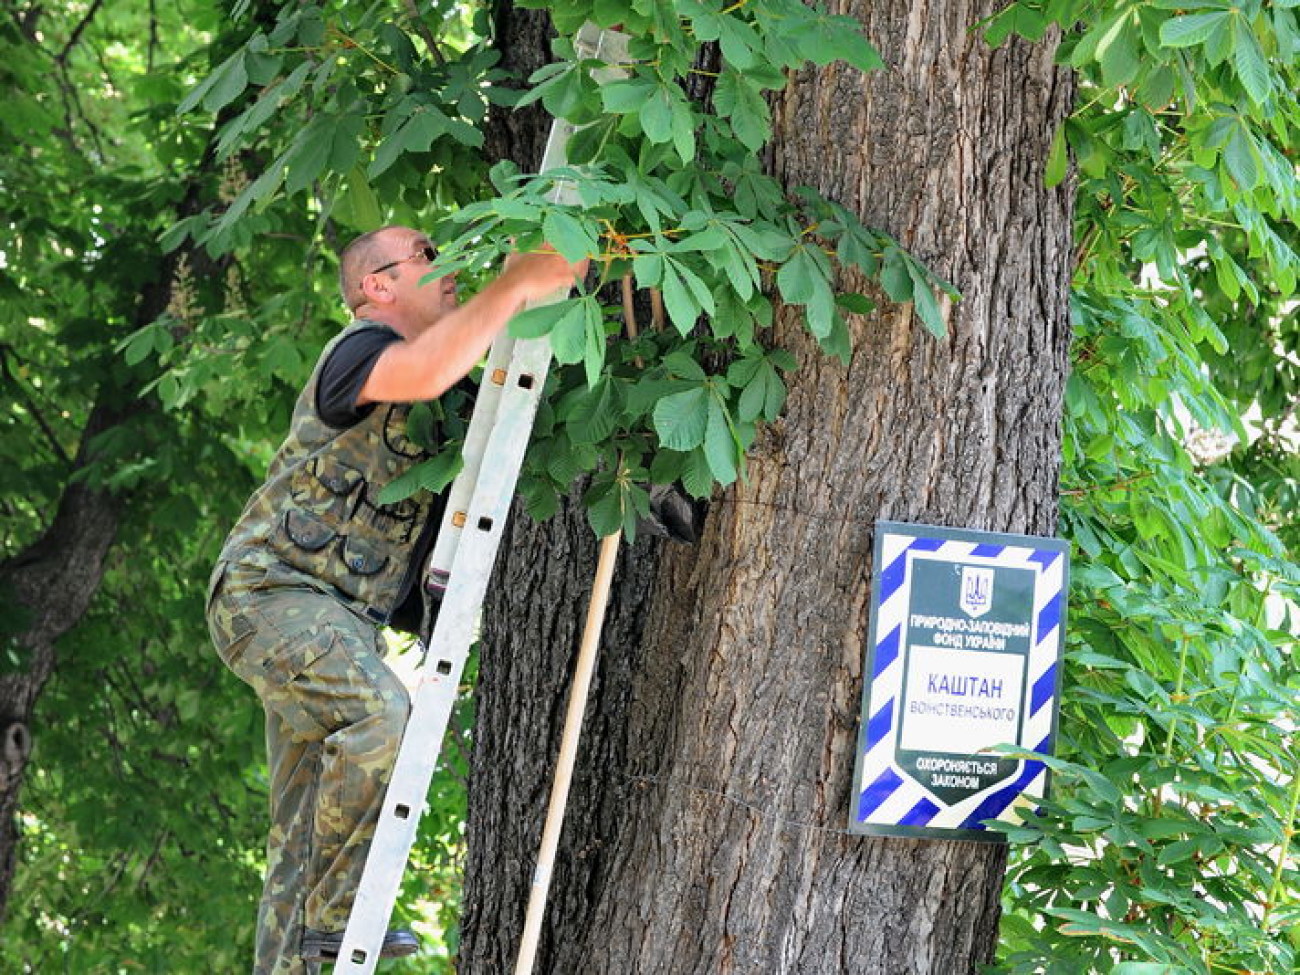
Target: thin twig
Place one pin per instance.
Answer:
(31, 405)
(629, 315)
(657, 309)
(422, 29)
(153, 36)
(75, 36)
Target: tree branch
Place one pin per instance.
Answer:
(33, 408)
(75, 36)
(422, 29)
(153, 36)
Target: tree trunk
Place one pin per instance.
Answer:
(50, 585)
(706, 829)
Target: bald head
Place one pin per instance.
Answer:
(363, 255)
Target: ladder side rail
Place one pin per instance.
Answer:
(487, 404)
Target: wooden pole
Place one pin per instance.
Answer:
(582, 672)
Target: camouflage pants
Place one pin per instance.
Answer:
(334, 718)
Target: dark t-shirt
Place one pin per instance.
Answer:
(341, 379)
(345, 372)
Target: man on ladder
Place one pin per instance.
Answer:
(317, 564)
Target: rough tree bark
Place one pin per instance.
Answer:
(706, 826)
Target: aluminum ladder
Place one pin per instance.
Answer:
(462, 560)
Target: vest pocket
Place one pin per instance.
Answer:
(395, 522)
(363, 557)
(307, 531)
(324, 486)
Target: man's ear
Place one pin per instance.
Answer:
(377, 289)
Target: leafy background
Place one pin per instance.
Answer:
(221, 156)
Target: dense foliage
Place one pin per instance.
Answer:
(226, 154)
(1170, 840)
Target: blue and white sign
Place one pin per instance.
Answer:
(964, 655)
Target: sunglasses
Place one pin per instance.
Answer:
(428, 252)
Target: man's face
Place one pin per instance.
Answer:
(410, 256)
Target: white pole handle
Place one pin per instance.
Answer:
(582, 672)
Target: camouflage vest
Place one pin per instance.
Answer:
(318, 514)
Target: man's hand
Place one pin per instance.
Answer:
(542, 272)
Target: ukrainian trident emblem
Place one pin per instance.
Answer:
(976, 590)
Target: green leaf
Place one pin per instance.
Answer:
(838, 343)
(362, 202)
(923, 301)
(137, 346)
(697, 475)
(1119, 52)
(432, 475)
(586, 143)
(795, 278)
(683, 128)
(604, 509)
(1242, 159)
(536, 322)
(540, 500)
(572, 237)
(682, 363)
(229, 86)
(741, 270)
(262, 66)
(1018, 18)
(593, 358)
(719, 444)
(682, 418)
(678, 298)
(649, 269)
(656, 115)
(764, 241)
(896, 275)
(700, 292)
(1058, 159)
(627, 97)
(307, 157)
(595, 414)
(392, 147)
(837, 39)
(564, 94)
(763, 393)
(1251, 67)
(738, 41)
(401, 46)
(804, 280)
(569, 334)
(742, 104)
(233, 63)
(855, 304)
(1191, 29)
(565, 460)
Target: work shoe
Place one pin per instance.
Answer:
(324, 946)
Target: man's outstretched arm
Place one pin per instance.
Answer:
(425, 367)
